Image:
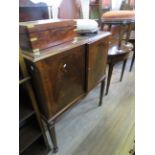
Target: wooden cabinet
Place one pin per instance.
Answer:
(59, 80)
(63, 74)
(97, 60)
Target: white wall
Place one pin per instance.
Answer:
(85, 8)
(116, 4)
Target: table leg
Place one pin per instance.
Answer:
(51, 129)
(132, 61)
(102, 92)
(109, 77)
(123, 68)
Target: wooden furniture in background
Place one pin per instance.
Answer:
(29, 11)
(64, 74)
(116, 55)
(95, 10)
(127, 5)
(94, 6)
(118, 52)
(32, 139)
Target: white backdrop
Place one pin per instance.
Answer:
(85, 8)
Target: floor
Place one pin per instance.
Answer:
(107, 130)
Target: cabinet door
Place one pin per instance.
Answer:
(96, 61)
(62, 77)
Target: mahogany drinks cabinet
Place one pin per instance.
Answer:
(64, 74)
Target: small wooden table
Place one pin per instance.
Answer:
(117, 52)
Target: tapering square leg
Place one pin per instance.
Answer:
(123, 68)
(51, 129)
(132, 61)
(111, 66)
(102, 92)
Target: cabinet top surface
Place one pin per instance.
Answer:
(78, 41)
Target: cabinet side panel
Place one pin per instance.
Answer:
(37, 77)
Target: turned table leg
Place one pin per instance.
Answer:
(51, 129)
(109, 77)
(123, 68)
(102, 92)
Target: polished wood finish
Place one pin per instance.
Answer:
(115, 56)
(102, 92)
(109, 77)
(42, 34)
(106, 130)
(118, 51)
(97, 60)
(61, 78)
(64, 74)
(123, 68)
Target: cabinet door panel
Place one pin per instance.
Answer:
(63, 79)
(96, 62)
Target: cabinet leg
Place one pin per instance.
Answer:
(51, 129)
(101, 92)
(111, 66)
(132, 61)
(123, 68)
